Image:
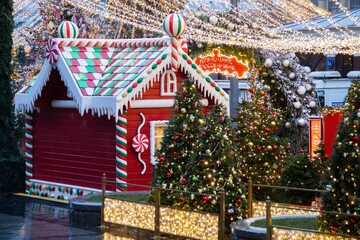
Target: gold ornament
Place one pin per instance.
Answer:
(269, 148)
(250, 144)
(273, 123)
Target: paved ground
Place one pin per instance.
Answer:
(27, 219)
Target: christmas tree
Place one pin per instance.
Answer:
(179, 141)
(301, 172)
(213, 168)
(344, 172)
(261, 153)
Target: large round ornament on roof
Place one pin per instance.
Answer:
(174, 25)
(68, 29)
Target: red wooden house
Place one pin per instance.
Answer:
(99, 106)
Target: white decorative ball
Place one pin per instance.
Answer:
(307, 69)
(297, 105)
(301, 122)
(199, 45)
(301, 90)
(292, 55)
(268, 62)
(230, 26)
(312, 104)
(287, 125)
(286, 63)
(213, 20)
(291, 75)
(308, 87)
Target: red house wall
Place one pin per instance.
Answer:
(76, 150)
(70, 148)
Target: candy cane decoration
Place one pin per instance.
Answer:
(51, 51)
(121, 153)
(28, 151)
(184, 45)
(140, 143)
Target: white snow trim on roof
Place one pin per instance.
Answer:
(208, 90)
(25, 102)
(83, 103)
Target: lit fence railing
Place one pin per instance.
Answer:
(270, 209)
(162, 219)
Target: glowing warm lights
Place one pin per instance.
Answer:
(282, 209)
(188, 223)
(172, 221)
(253, 23)
(129, 213)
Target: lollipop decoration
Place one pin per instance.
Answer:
(140, 143)
(68, 29)
(51, 51)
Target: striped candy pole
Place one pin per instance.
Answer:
(121, 153)
(28, 151)
(184, 46)
(68, 29)
(174, 54)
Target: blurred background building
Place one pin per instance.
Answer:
(333, 7)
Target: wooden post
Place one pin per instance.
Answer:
(103, 190)
(221, 234)
(157, 211)
(250, 198)
(268, 219)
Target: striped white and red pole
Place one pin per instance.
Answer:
(28, 151)
(121, 153)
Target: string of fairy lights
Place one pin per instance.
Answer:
(251, 24)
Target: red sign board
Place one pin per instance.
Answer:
(315, 135)
(217, 63)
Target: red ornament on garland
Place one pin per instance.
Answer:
(205, 199)
(182, 200)
(275, 147)
(355, 139)
(168, 175)
(175, 154)
(238, 201)
(267, 129)
(334, 230)
(183, 181)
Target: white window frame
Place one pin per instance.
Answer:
(153, 125)
(168, 84)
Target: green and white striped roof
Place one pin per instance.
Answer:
(105, 75)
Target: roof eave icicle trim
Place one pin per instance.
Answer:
(203, 85)
(25, 102)
(83, 103)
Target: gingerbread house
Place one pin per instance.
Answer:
(99, 106)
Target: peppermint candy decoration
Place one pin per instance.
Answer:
(140, 143)
(51, 51)
(68, 29)
(174, 25)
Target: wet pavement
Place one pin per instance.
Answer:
(25, 218)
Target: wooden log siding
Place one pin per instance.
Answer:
(73, 149)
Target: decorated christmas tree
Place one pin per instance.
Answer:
(301, 172)
(179, 141)
(342, 192)
(213, 168)
(260, 152)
